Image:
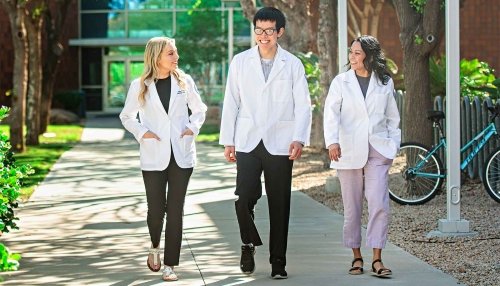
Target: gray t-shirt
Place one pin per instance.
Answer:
(363, 83)
(267, 65)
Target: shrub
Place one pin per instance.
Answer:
(476, 78)
(8, 261)
(10, 185)
(313, 74)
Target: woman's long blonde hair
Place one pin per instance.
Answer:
(152, 53)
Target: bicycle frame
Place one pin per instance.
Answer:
(477, 143)
(481, 139)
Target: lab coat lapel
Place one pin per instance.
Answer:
(154, 96)
(353, 83)
(278, 65)
(371, 86)
(174, 90)
(256, 65)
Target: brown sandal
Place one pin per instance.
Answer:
(154, 263)
(382, 271)
(356, 270)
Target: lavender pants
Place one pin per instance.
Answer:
(372, 178)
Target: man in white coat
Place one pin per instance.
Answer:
(266, 121)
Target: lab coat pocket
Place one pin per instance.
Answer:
(347, 148)
(283, 135)
(243, 127)
(282, 90)
(188, 144)
(149, 151)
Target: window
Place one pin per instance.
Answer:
(147, 25)
(150, 4)
(103, 4)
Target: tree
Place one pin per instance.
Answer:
(327, 50)
(34, 22)
(15, 11)
(211, 44)
(54, 26)
(421, 25)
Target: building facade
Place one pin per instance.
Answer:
(104, 43)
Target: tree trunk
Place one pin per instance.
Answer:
(34, 29)
(417, 100)
(249, 9)
(327, 49)
(53, 28)
(20, 73)
(416, 29)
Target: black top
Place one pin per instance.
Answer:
(164, 86)
(363, 83)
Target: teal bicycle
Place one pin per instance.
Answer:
(417, 172)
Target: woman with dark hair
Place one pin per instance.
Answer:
(361, 127)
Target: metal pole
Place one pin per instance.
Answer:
(342, 32)
(453, 225)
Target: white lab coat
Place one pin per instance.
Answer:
(353, 121)
(277, 111)
(154, 154)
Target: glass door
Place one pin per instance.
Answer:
(118, 73)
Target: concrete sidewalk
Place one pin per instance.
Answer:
(85, 225)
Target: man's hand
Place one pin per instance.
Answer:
(295, 150)
(334, 152)
(230, 154)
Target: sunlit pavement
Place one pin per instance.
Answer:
(85, 225)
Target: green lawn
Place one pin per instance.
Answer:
(209, 133)
(53, 143)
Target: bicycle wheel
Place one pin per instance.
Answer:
(491, 175)
(409, 188)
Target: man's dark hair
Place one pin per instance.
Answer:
(270, 14)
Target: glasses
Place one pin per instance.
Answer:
(259, 31)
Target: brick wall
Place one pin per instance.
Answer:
(479, 33)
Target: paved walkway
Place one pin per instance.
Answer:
(85, 225)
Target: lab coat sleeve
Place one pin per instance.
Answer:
(198, 108)
(392, 116)
(331, 116)
(302, 105)
(128, 115)
(230, 106)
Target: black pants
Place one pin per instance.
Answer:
(278, 183)
(172, 203)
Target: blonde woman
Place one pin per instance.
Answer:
(166, 133)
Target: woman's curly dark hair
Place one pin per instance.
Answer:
(375, 60)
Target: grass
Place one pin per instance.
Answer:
(57, 140)
(209, 133)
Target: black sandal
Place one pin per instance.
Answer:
(382, 271)
(356, 270)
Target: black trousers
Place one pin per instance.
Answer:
(172, 203)
(278, 183)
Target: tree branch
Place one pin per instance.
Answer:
(355, 8)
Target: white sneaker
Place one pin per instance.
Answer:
(169, 274)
